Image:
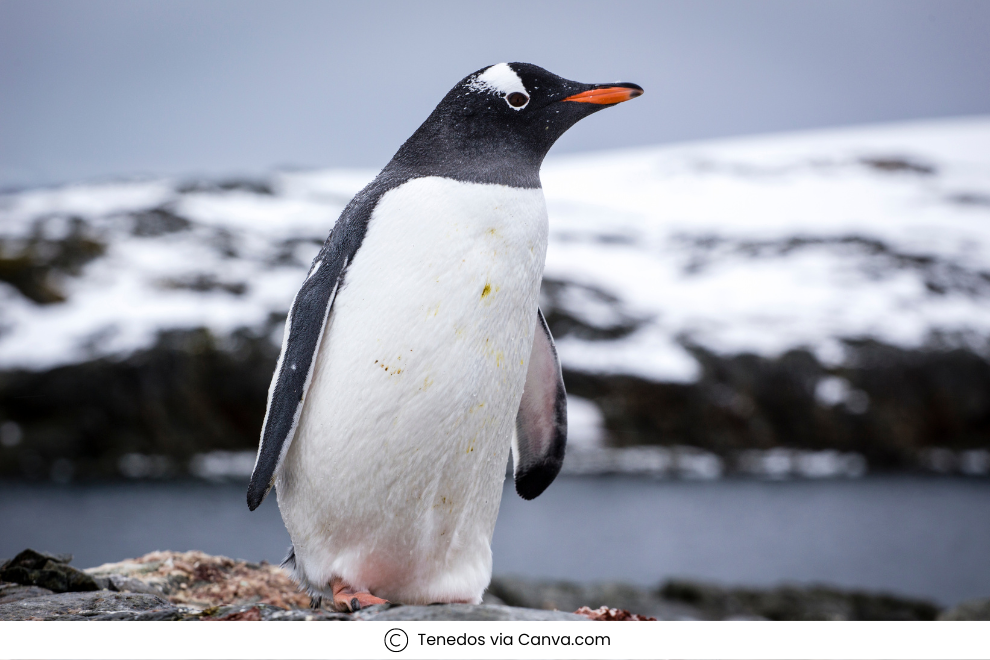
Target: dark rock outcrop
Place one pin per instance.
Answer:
(47, 571)
(34, 266)
(193, 392)
(971, 610)
(682, 599)
(904, 401)
(794, 603)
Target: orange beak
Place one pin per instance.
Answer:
(608, 95)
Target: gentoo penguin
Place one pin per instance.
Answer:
(414, 354)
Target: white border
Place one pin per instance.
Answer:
(340, 639)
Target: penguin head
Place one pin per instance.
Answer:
(498, 123)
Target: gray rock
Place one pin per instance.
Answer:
(388, 612)
(265, 612)
(133, 585)
(971, 610)
(11, 591)
(90, 606)
(568, 597)
(456, 612)
(304, 615)
(153, 615)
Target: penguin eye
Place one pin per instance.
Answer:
(517, 99)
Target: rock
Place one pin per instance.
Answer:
(264, 612)
(11, 591)
(455, 612)
(196, 579)
(35, 559)
(91, 606)
(459, 612)
(794, 603)
(568, 596)
(194, 586)
(906, 401)
(971, 610)
(51, 572)
(611, 614)
(114, 606)
(191, 392)
(125, 583)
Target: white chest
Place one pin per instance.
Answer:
(433, 241)
(397, 465)
(443, 290)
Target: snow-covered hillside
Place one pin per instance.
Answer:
(776, 305)
(750, 245)
(769, 243)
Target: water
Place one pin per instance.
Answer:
(926, 537)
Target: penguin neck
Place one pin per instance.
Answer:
(446, 149)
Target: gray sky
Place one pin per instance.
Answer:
(118, 88)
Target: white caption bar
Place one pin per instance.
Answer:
(413, 639)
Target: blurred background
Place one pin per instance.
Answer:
(768, 277)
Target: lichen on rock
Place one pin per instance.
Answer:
(196, 579)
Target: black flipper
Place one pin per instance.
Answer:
(304, 328)
(541, 425)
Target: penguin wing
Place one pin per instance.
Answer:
(541, 424)
(303, 333)
(304, 326)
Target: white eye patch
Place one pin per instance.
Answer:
(502, 80)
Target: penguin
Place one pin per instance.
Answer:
(415, 355)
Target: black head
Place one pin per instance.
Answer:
(496, 125)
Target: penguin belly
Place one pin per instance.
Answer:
(394, 478)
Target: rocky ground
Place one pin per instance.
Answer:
(193, 586)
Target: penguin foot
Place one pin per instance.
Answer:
(345, 599)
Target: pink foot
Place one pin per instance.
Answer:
(345, 599)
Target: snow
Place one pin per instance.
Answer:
(647, 460)
(762, 244)
(834, 390)
(585, 424)
(141, 285)
(771, 243)
(216, 465)
(784, 463)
